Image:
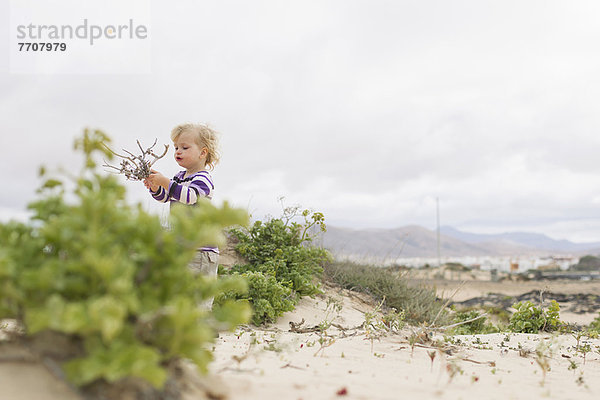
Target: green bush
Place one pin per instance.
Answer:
(528, 318)
(282, 265)
(269, 298)
(479, 326)
(282, 248)
(595, 324)
(108, 275)
(419, 304)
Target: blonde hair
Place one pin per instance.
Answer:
(204, 137)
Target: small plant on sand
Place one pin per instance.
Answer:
(372, 332)
(543, 354)
(578, 335)
(335, 303)
(505, 341)
(393, 320)
(584, 349)
(273, 346)
(324, 342)
(528, 318)
(453, 369)
(332, 311)
(378, 324)
(572, 366)
(582, 334)
(334, 306)
(595, 324)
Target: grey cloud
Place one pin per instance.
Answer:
(365, 110)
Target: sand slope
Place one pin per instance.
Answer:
(283, 365)
(274, 363)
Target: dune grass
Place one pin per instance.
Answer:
(420, 304)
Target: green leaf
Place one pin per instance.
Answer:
(51, 183)
(108, 315)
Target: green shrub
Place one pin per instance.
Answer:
(528, 318)
(281, 248)
(595, 324)
(108, 275)
(499, 314)
(282, 264)
(479, 326)
(419, 304)
(269, 298)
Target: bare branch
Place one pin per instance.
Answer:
(442, 328)
(116, 154)
(106, 164)
(136, 167)
(156, 158)
(131, 154)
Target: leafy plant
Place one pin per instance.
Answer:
(528, 318)
(595, 324)
(107, 275)
(268, 297)
(280, 247)
(584, 349)
(477, 326)
(282, 265)
(393, 320)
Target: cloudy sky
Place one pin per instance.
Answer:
(364, 110)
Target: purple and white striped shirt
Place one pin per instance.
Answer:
(187, 191)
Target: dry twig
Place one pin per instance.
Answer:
(448, 302)
(136, 168)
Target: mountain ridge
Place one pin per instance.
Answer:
(417, 241)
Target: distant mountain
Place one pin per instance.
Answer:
(416, 241)
(532, 240)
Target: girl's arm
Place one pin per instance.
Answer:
(158, 184)
(160, 195)
(201, 186)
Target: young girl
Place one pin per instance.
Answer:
(196, 150)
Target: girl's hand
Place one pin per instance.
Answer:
(157, 179)
(149, 186)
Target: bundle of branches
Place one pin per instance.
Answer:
(134, 167)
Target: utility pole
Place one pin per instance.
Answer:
(437, 206)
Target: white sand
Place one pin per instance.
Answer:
(287, 365)
(290, 370)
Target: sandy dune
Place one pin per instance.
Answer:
(273, 363)
(285, 365)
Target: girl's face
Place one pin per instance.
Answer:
(188, 154)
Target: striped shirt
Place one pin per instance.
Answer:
(187, 190)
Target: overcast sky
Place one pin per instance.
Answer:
(364, 110)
